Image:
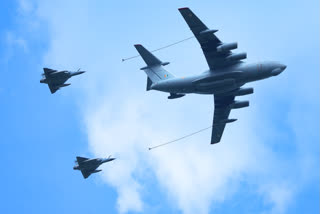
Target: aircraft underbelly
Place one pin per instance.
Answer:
(217, 87)
(203, 84)
(89, 167)
(58, 81)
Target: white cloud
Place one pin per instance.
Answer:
(16, 41)
(25, 6)
(122, 140)
(279, 195)
(193, 173)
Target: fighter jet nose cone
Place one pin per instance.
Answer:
(77, 73)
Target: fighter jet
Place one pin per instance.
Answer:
(88, 166)
(56, 79)
(224, 79)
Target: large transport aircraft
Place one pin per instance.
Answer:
(226, 75)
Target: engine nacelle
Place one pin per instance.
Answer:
(238, 56)
(175, 96)
(243, 91)
(227, 47)
(239, 104)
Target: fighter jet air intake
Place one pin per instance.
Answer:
(224, 79)
(88, 166)
(56, 79)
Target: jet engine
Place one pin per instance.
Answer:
(227, 47)
(243, 91)
(238, 56)
(175, 96)
(239, 104)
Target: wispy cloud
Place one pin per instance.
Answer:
(14, 43)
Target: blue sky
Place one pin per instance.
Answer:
(268, 161)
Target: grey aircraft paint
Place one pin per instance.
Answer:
(56, 79)
(88, 166)
(226, 75)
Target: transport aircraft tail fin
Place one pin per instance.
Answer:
(154, 68)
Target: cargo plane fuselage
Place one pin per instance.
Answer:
(220, 81)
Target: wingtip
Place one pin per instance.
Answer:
(137, 45)
(214, 142)
(183, 8)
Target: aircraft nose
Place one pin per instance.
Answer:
(278, 70)
(80, 72)
(77, 73)
(283, 67)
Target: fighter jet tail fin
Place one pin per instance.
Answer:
(154, 68)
